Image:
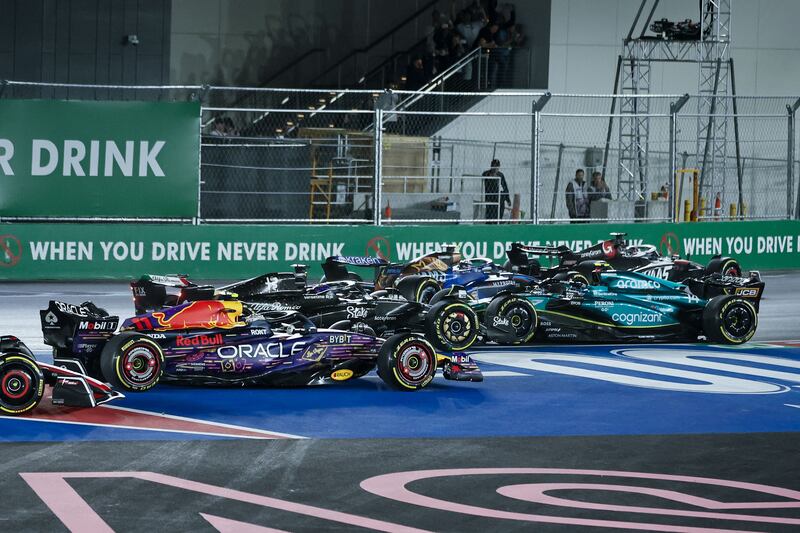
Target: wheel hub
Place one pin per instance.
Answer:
(16, 384)
(414, 362)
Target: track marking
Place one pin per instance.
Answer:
(117, 417)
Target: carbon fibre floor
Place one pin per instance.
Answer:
(647, 437)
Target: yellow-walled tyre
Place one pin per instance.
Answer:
(132, 362)
(729, 320)
(418, 288)
(21, 384)
(407, 362)
(451, 325)
(514, 313)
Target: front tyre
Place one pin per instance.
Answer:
(451, 325)
(407, 362)
(21, 384)
(729, 320)
(132, 362)
(514, 314)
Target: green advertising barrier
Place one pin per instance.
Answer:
(112, 159)
(117, 251)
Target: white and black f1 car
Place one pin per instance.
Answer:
(615, 254)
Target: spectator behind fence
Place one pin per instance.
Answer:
(416, 76)
(577, 197)
(495, 200)
(220, 127)
(598, 190)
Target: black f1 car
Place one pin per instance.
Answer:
(615, 254)
(23, 380)
(225, 342)
(346, 304)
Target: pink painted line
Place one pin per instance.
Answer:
(226, 525)
(126, 418)
(393, 486)
(66, 504)
(77, 515)
(536, 493)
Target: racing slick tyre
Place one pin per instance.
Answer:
(578, 278)
(729, 320)
(514, 312)
(21, 383)
(132, 362)
(407, 362)
(418, 288)
(450, 293)
(451, 325)
(726, 266)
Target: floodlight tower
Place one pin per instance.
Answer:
(711, 52)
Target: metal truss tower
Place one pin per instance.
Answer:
(711, 53)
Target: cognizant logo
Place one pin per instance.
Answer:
(636, 318)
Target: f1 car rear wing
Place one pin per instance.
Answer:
(518, 254)
(335, 266)
(80, 328)
(710, 285)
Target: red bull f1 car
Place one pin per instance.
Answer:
(23, 381)
(225, 342)
(345, 304)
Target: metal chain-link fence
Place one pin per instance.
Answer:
(316, 156)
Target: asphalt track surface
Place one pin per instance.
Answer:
(558, 438)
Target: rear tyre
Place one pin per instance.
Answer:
(451, 325)
(418, 288)
(21, 384)
(729, 320)
(514, 312)
(726, 266)
(132, 362)
(407, 362)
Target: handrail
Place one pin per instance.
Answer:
(377, 41)
(392, 57)
(291, 64)
(282, 70)
(438, 79)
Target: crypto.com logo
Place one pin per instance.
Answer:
(540, 487)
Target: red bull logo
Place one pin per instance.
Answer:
(199, 340)
(205, 314)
